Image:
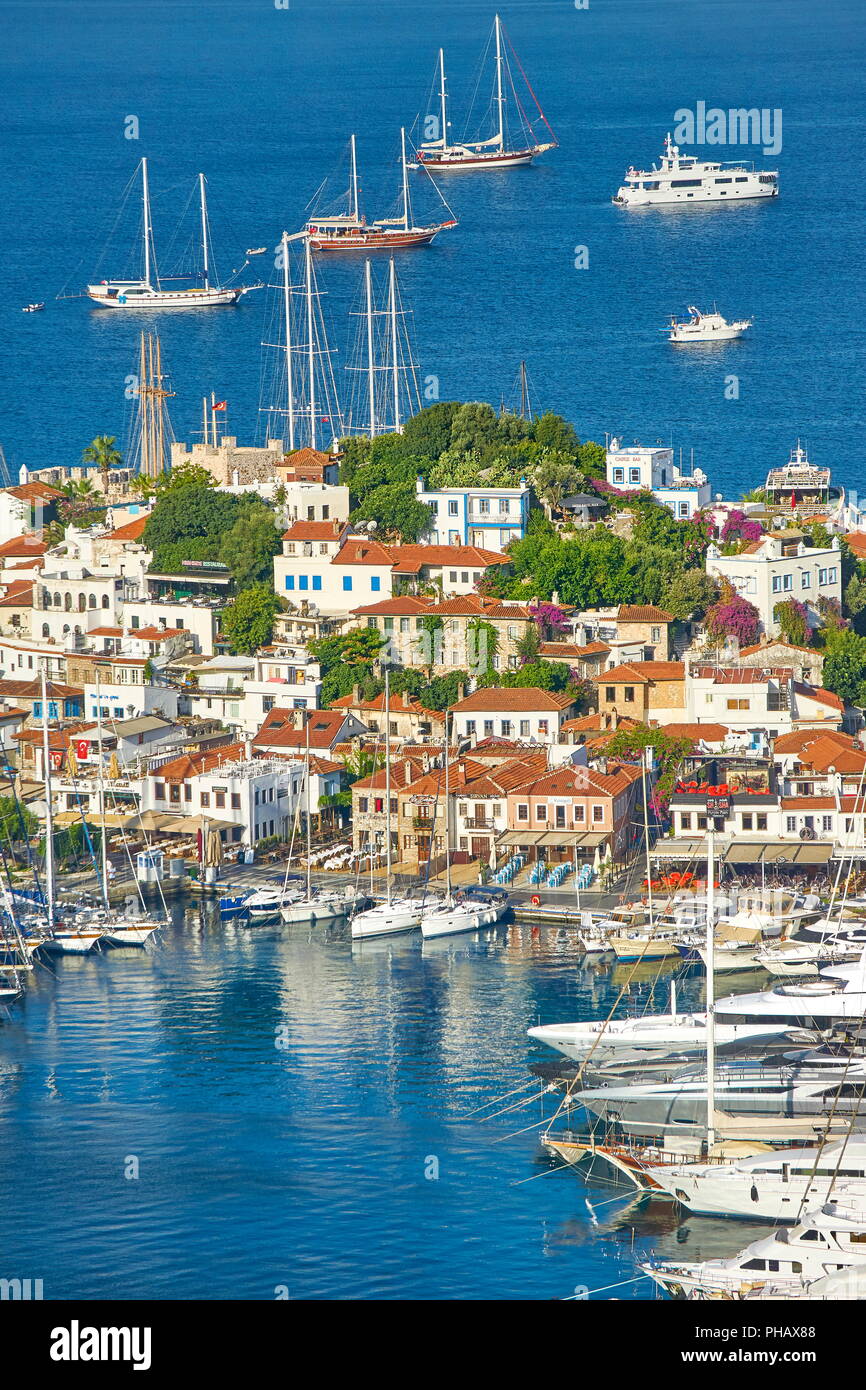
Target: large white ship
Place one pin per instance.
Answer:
(681, 178)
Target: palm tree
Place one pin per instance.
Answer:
(102, 452)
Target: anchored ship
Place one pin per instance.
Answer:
(149, 292)
(502, 150)
(680, 178)
(350, 231)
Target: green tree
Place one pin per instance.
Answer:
(845, 666)
(396, 510)
(249, 547)
(16, 822)
(248, 622)
(190, 511)
(102, 452)
(690, 593)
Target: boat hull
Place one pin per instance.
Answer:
(376, 241)
(132, 298)
(473, 163)
(385, 922)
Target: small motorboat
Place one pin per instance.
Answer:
(32, 308)
(705, 328)
(256, 250)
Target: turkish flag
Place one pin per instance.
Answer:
(82, 748)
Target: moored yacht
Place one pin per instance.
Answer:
(657, 1034)
(776, 1185)
(681, 178)
(824, 1242)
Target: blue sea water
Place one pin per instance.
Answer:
(304, 1166)
(263, 99)
(305, 1115)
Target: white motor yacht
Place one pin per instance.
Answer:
(685, 179)
(705, 328)
(660, 1035)
(776, 1185)
(824, 1242)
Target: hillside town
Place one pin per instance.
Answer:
(578, 641)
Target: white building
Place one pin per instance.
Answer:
(490, 517)
(519, 713)
(654, 470)
(760, 703)
(775, 568)
(199, 617)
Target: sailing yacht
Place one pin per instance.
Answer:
(350, 231)
(149, 292)
(500, 150)
(394, 915)
(657, 1035)
(682, 178)
(461, 914)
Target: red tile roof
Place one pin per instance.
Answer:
(774, 642)
(34, 492)
(742, 675)
(513, 699)
(584, 781)
(643, 613)
(799, 740)
(401, 703)
(406, 606)
(191, 764)
(132, 531)
(28, 545)
(19, 593)
(823, 697)
(857, 541)
(711, 733)
(357, 550)
(315, 531)
(411, 558)
(284, 728)
(642, 672)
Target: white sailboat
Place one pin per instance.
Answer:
(394, 915)
(149, 292)
(450, 917)
(314, 908)
(60, 940)
(502, 150)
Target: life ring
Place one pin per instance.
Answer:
(535, 900)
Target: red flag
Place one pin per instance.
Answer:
(220, 405)
(793, 503)
(82, 748)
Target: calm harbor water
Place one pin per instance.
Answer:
(286, 1097)
(264, 99)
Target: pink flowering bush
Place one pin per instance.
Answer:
(734, 616)
(738, 527)
(549, 619)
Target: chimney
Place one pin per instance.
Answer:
(356, 694)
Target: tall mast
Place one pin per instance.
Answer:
(711, 993)
(49, 815)
(287, 314)
(203, 228)
(103, 847)
(204, 430)
(157, 405)
(354, 181)
(387, 784)
(143, 399)
(145, 200)
(311, 350)
(371, 361)
(307, 780)
(497, 25)
(647, 757)
(442, 98)
(447, 815)
(405, 180)
(392, 310)
(524, 393)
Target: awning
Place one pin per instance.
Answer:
(588, 839)
(814, 854)
(779, 849)
(744, 853)
(678, 849)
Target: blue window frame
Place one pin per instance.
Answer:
(347, 583)
(37, 709)
(317, 581)
(290, 581)
(303, 582)
(375, 583)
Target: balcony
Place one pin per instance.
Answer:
(485, 824)
(423, 823)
